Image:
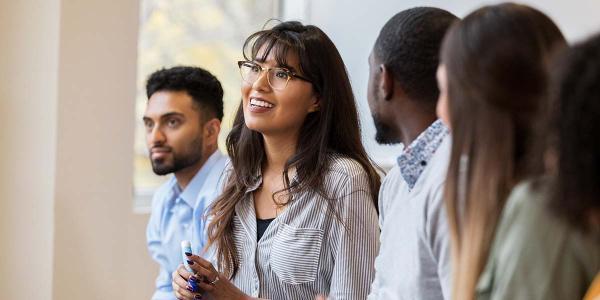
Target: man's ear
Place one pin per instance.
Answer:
(211, 131)
(386, 84)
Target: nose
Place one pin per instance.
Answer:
(262, 81)
(156, 137)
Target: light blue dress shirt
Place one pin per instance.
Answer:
(178, 215)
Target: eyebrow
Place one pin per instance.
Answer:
(290, 68)
(165, 116)
(285, 66)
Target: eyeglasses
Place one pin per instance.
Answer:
(277, 77)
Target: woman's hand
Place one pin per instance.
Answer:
(216, 285)
(181, 288)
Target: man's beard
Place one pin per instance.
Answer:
(384, 133)
(190, 156)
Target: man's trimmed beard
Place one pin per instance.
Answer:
(191, 156)
(384, 133)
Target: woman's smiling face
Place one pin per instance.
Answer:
(277, 112)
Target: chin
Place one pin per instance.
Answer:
(162, 170)
(255, 126)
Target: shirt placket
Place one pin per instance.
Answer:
(248, 219)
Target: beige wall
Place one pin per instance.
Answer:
(67, 89)
(28, 97)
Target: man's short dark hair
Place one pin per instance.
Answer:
(203, 87)
(409, 45)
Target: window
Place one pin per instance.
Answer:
(204, 33)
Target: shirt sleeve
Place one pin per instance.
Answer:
(163, 288)
(374, 292)
(381, 205)
(382, 211)
(355, 241)
(438, 238)
(536, 255)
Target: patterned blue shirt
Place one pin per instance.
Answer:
(415, 157)
(178, 215)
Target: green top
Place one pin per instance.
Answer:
(535, 255)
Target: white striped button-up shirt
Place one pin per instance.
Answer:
(307, 251)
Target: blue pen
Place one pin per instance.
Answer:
(186, 246)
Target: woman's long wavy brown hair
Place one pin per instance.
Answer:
(334, 129)
(496, 62)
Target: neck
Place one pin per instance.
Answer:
(411, 122)
(278, 150)
(185, 175)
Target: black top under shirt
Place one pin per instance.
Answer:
(261, 226)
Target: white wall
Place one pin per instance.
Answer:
(353, 25)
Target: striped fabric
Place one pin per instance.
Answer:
(306, 251)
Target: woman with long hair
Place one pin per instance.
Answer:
(493, 81)
(297, 217)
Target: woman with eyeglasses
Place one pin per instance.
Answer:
(297, 217)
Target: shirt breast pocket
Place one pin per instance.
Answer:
(295, 254)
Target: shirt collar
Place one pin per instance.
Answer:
(190, 193)
(416, 156)
(258, 179)
(257, 182)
